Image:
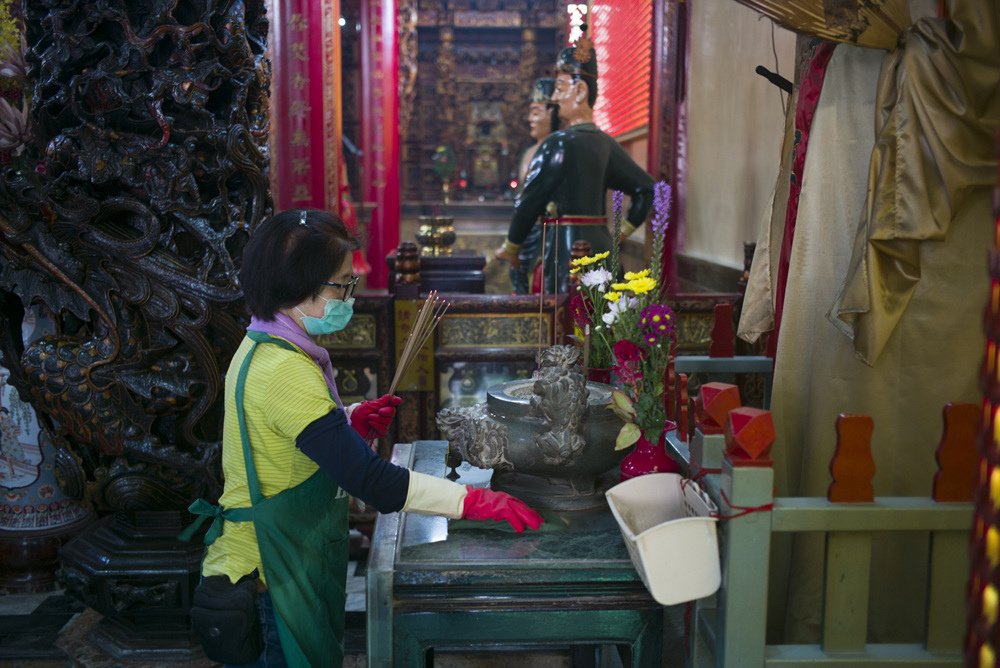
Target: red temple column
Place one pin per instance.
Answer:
(380, 132)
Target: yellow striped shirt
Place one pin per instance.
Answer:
(284, 393)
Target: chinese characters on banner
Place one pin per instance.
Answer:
(305, 117)
(306, 150)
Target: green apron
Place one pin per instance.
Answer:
(302, 533)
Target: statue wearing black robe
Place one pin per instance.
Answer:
(574, 168)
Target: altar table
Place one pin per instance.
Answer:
(446, 585)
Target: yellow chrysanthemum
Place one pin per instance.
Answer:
(589, 259)
(575, 270)
(632, 275)
(619, 286)
(641, 285)
(612, 296)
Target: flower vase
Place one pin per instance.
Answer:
(647, 457)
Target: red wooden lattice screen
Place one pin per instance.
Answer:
(623, 38)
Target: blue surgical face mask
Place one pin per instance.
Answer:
(336, 314)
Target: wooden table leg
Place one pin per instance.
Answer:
(647, 650)
(409, 651)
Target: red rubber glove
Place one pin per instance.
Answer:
(485, 504)
(371, 419)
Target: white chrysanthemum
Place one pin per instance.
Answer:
(615, 308)
(597, 278)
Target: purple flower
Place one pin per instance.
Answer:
(661, 207)
(617, 202)
(657, 322)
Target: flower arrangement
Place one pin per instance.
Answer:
(627, 326)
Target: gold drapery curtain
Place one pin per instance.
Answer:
(937, 115)
(871, 23)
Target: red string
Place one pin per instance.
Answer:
(744, 510)
(689, 608)
(704, 472)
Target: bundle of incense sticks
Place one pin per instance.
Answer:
(427, 319)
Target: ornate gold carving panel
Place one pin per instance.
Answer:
(471, 56)
(360, 333)
(491, 331)
(407, 27)
(487, 19)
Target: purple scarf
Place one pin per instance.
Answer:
(286, 328)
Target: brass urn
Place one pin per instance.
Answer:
(436, 234)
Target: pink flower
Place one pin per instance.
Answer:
(626, 351)
(578, 309)
(628, 362)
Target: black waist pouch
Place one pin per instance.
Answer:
(224, 616)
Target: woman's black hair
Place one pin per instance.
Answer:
(289, 256)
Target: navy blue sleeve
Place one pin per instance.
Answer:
(545, 172)
(344, 456)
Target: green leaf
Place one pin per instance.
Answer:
(622, 406)
(628, 435)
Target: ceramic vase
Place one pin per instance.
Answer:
(649, 457)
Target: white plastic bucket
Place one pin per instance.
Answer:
(669, 535)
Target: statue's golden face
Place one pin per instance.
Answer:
(563, 90)
(539, 122)
(571, 96)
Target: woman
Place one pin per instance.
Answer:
(293, 453)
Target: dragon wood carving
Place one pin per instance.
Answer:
(124, 221)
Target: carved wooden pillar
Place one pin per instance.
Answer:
(667, 157)
(444, 89)
(124, 220)
(407, 35)
(529, 62)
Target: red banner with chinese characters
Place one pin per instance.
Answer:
(305, 147)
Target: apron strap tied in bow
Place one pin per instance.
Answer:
(203, 509)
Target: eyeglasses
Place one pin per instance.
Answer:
(348, 287)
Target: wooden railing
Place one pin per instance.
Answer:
(735, 469)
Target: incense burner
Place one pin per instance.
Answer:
(436, 234)
(549, 439)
